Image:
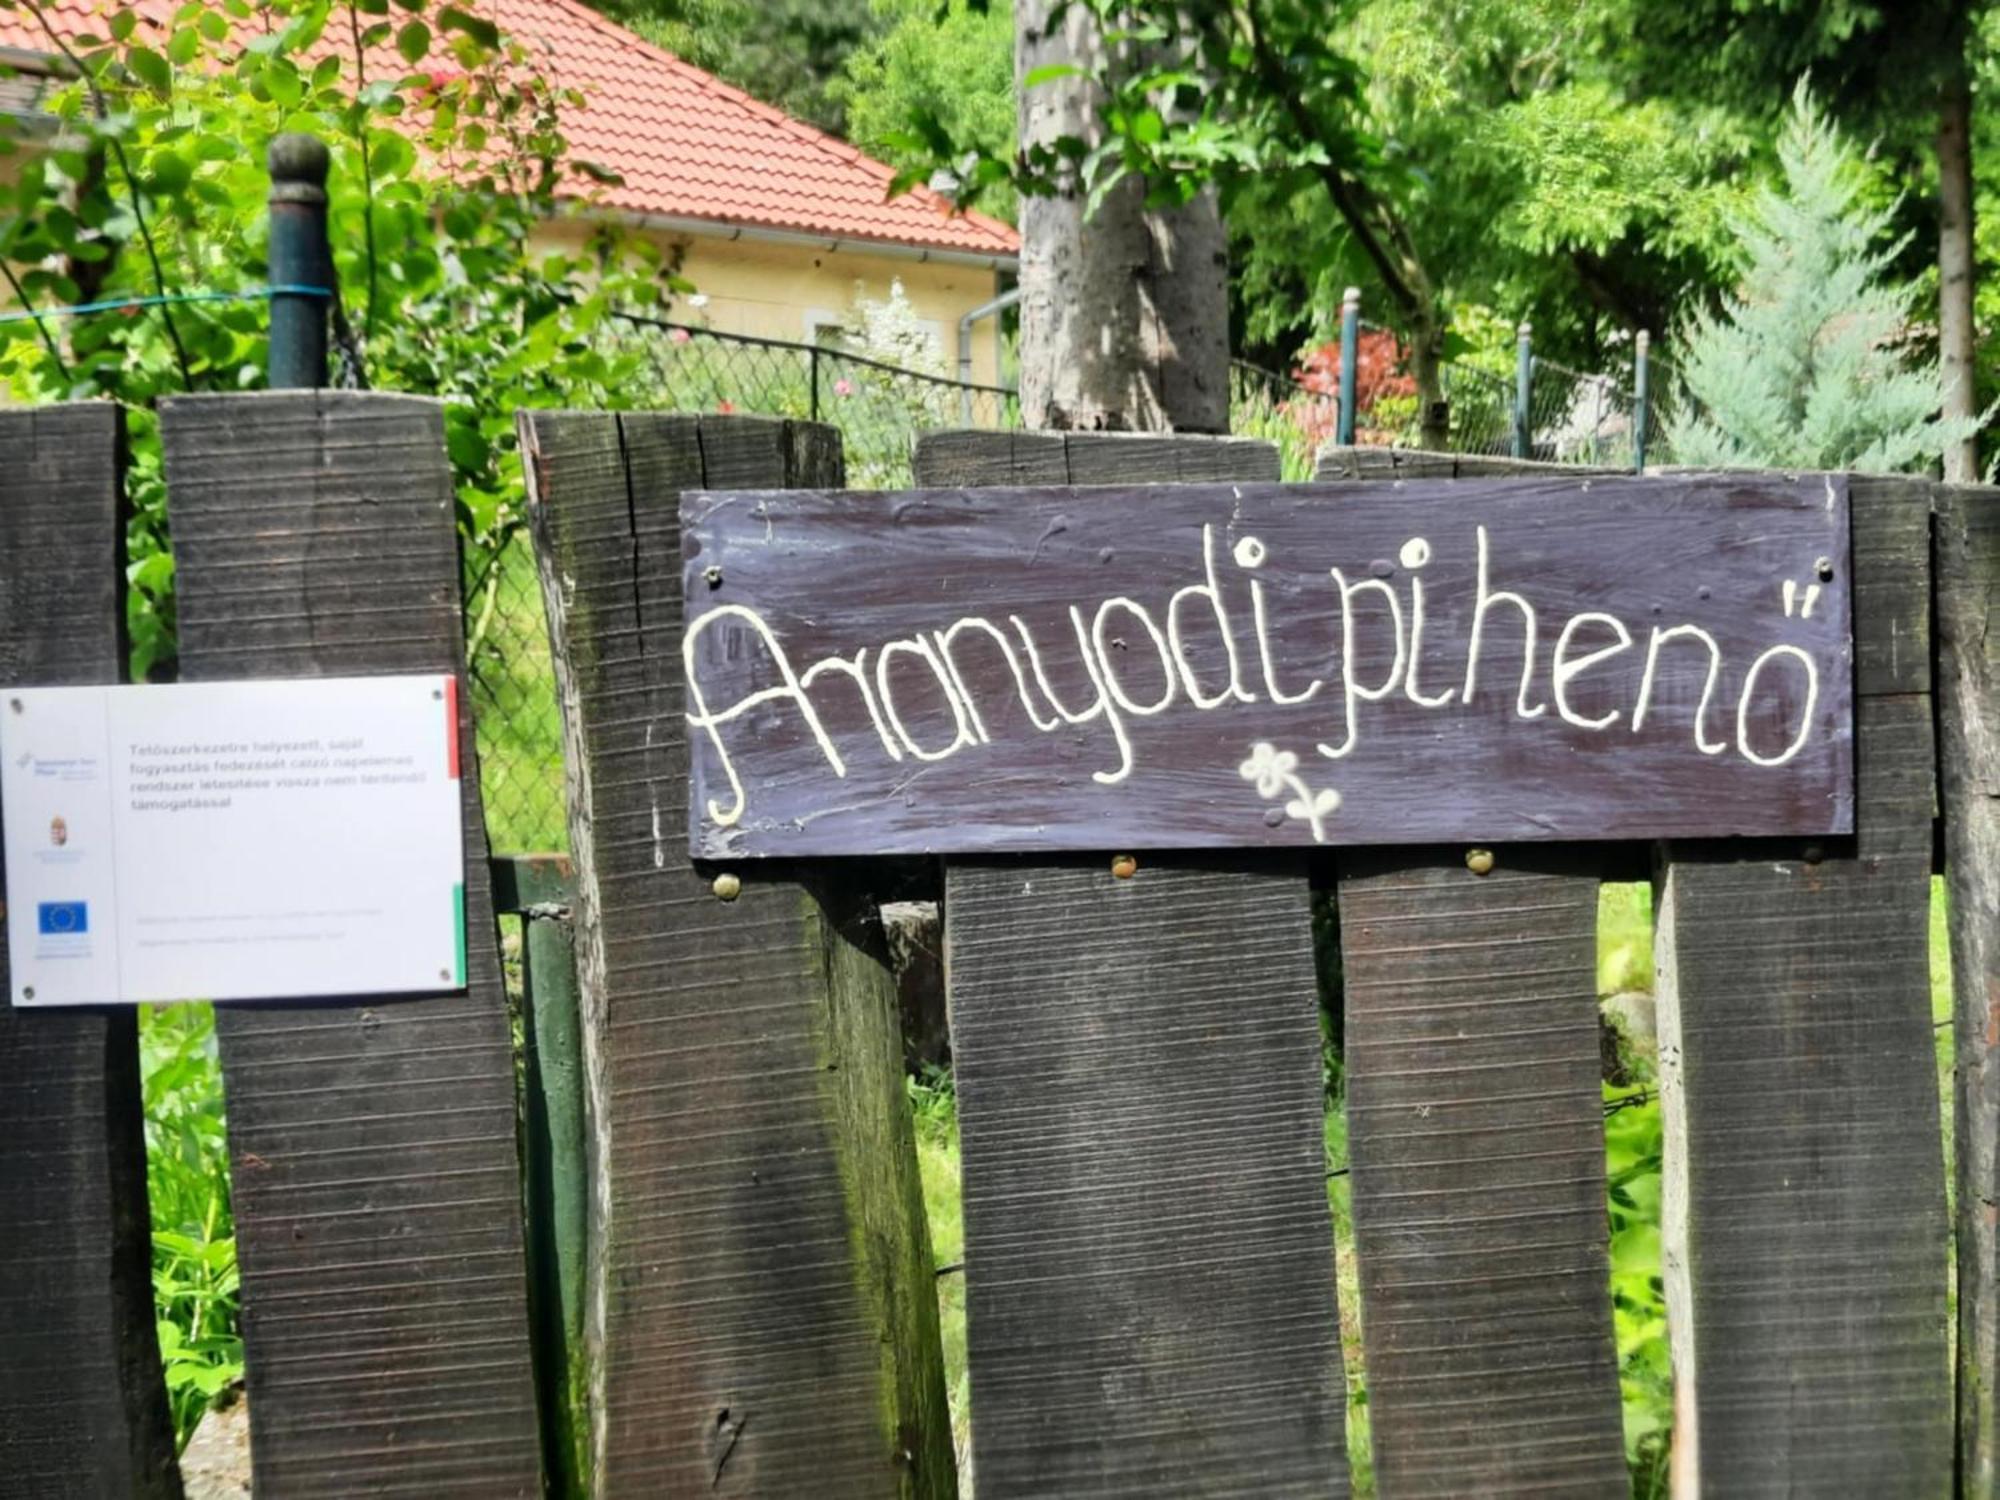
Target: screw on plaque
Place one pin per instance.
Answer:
(1824, 567)
(1124, 867)
(15, 704)
(1479, 861)
(27, 992)
(728, 886)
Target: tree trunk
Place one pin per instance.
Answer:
(1955, 259)
(1124, 318)
(1427, 369)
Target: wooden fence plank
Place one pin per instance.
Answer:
(1968, 612)
(762, 1315)
(1475, 1133)
(1476, 1138)
(82, 1408)
(373, 1157)
(1149, 1252)
(1805, 1250)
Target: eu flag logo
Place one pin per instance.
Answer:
(63, 918)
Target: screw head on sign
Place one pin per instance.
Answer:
(714, 576)
(1479, 861)
(27, 992)
(728, 886)
(1124, 867)
(15, 704)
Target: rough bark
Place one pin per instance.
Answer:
(1956, 337)
(1124, 312)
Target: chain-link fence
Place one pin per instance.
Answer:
(880, 409)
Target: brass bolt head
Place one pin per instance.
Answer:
(1479, 861)
(1124, 866)
(728, 886)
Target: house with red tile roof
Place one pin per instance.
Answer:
(784, 231)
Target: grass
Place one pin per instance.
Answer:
(194, 1232)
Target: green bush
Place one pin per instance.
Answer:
(194, 1232)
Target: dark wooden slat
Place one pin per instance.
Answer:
(762, 1316)
(1476, 1140)
(1149, 1254)
(1968, 611)
(373, 1157)
(1369, 462)
(973, 457)
(1804, 1186)
(1149, 1261)
(82, 1408)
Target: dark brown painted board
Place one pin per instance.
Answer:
(833, 714)
(372, 1146)
(1968, 611)
(1805, 1230)
(761, 1314)
(1476, 1138)
(1149, 1253)
(83, 1412)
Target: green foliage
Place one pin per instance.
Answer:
(934, 1108)
(954, 67)
(1632, 1158)
(1804, 367)
(194, 1233)
(447, 157)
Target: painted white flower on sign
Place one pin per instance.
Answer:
(1275, 773)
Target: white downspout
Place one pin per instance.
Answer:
(985, 310)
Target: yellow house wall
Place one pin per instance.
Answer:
(783, 291)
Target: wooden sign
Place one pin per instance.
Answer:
(1207, 666)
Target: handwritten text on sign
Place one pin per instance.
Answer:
(1246, 665)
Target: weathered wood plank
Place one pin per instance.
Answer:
(372, 1147)
(1968, 611)
(83, 1411)
(1475, 1133)
(1149, 1263)
(762, 1316)
(1476, 1140)
(1364, 461)
(1149, 1254)
(1804, 1231)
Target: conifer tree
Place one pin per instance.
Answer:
(1808, 365)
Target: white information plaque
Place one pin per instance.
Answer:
(232, 840)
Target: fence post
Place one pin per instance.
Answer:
(1524, 382)
(372, 1141)
(1967, 543)
(812, 361)
(83, 1410)
(1642, 397)
(1350, 359)
(298, 258)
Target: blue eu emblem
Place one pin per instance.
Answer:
(63, 918)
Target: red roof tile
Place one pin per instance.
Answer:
(687, 145)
